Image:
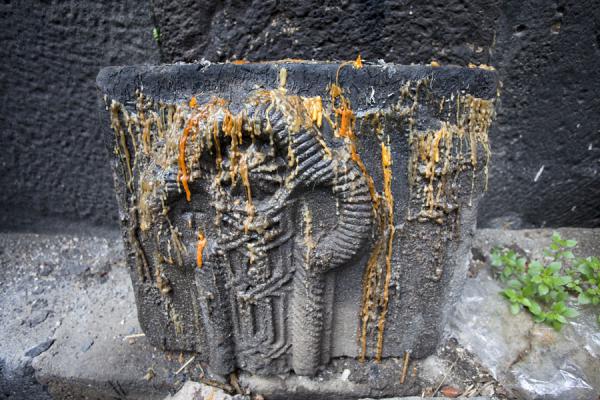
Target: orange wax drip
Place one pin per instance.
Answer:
(347, 118)
(219, 157)
(345, 130)
(183, 176)
(201, 114)
(314, 107)
(386, 164)
(246, 182)
(358, 62)
(200, 248)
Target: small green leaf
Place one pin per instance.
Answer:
(563, 280)
(535, 267)
(539, 318)
(556, 325)
(529, 290)
(496, 260)
(156, 34)
(543, 289)
(570, 313)
(535, 308)
(568, 255)
(560, 295)
(584, 298)
(556, 236)
(559, 307)
(514, 283)
(515, 308)
(555, 266)
(571, 243)
(584, 269)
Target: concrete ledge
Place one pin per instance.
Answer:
(66, 310)
(67, 314)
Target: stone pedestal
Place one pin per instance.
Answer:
(280, 215)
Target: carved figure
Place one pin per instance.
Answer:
(239, 215)
(261, 162)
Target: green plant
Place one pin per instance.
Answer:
(543, 287)
(156, 34)
(588, 282)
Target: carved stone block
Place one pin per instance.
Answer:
(279, 215)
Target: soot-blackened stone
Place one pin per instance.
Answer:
(278, 215)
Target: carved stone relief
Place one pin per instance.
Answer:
(250, 195)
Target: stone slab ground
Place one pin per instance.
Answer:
(198, 391)
(69, 330)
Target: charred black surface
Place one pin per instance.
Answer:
(279, 215)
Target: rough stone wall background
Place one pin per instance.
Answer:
(547, 54)
(53, 160)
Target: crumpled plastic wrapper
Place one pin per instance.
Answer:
(532, 360)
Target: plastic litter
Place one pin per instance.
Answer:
(532, 360)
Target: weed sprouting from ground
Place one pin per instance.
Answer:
(544, 287)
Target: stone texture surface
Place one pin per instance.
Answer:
(53, 161)
(65, 307)
(410, 31)
(82, 282)
(280, 286)
(546, 164)
(546, 54)
(199, 391)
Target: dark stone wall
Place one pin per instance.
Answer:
(452, 31)
(547, 53)
(549, 117)
(53, 158)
